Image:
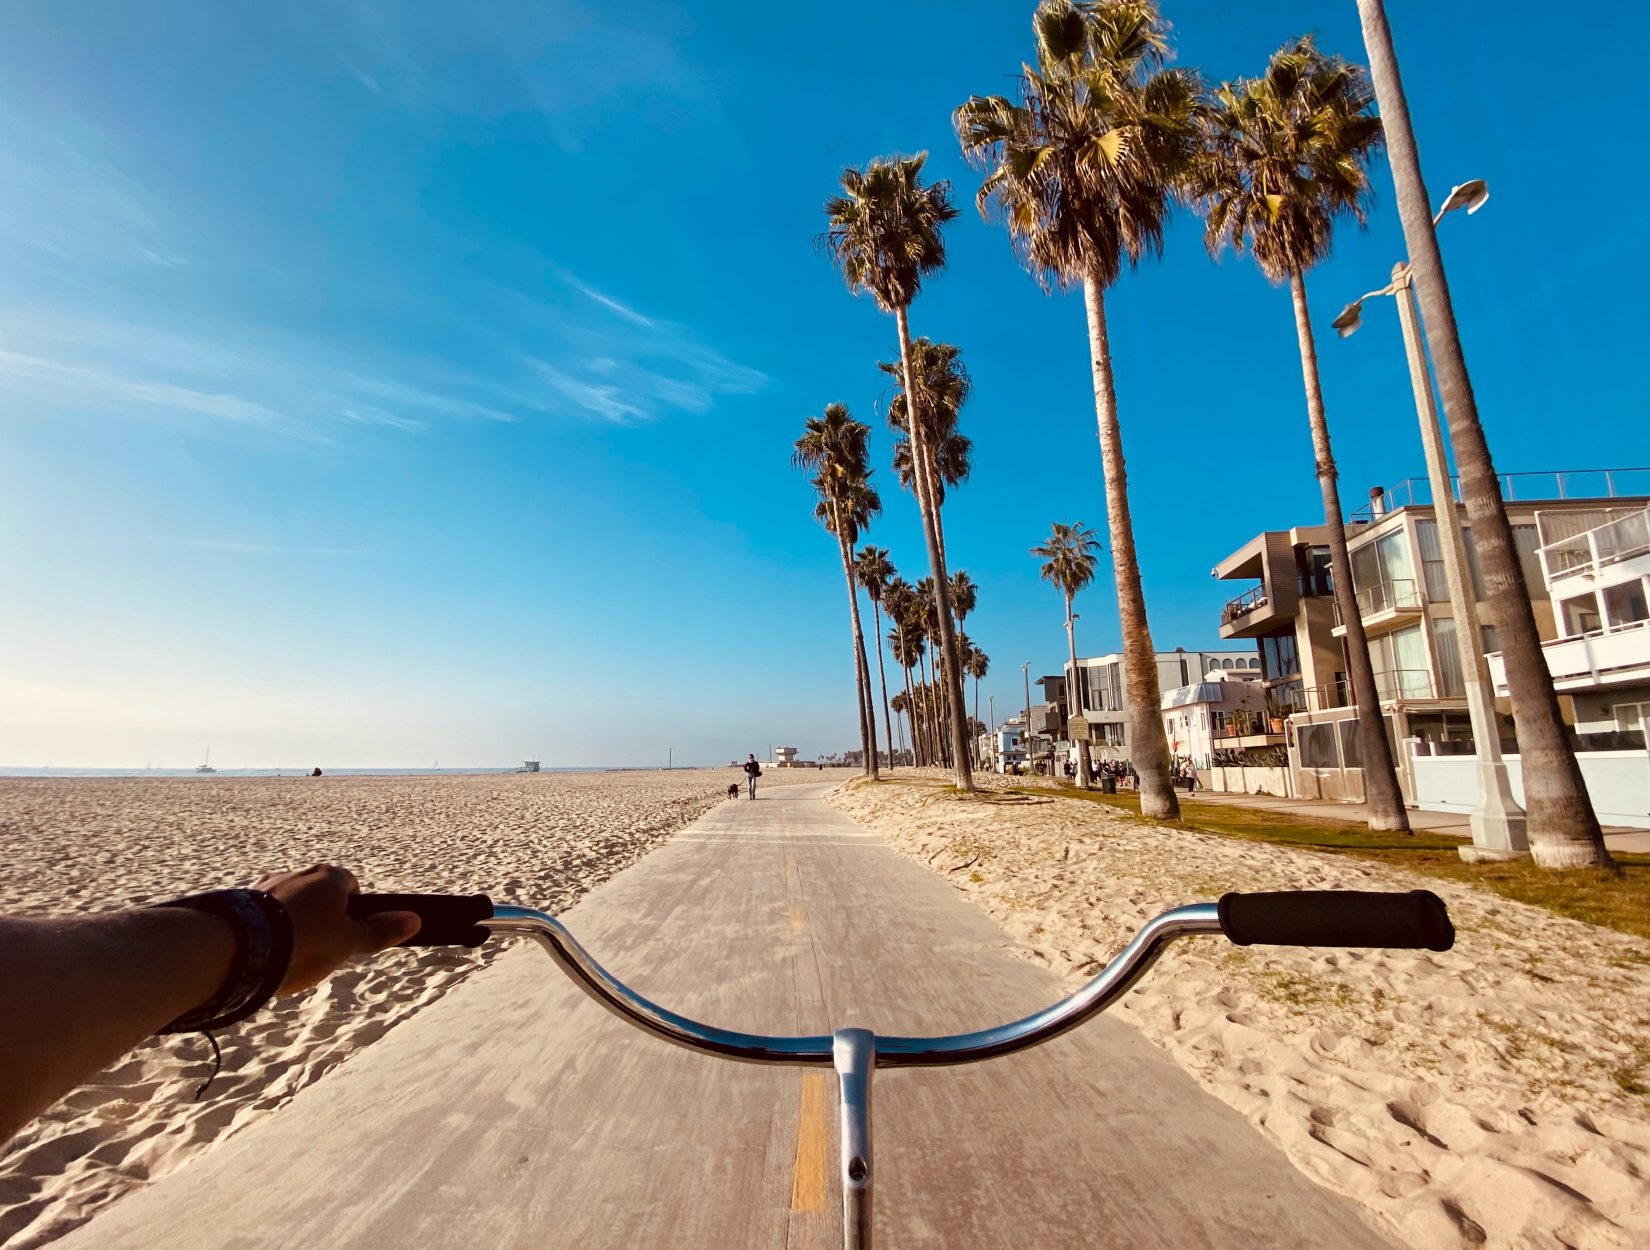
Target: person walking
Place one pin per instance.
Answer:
(753, 770)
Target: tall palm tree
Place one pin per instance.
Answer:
(906, 644)
(874, 572)
(927, 611)
(979, 664)
(964, 595)
(1081, 170)
(883, 232)
(1286, 155)
(942, 387)
(833, 448)
(901, 705)
(1563, 829)
(1068, 565)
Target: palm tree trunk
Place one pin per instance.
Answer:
(936, 559)
(1563, 829)
(862, 673)
(1382, 797)
(974, 735)
(1084, 777)
(928, 710)
(882, 678)
(911, 718)
(1148, 748)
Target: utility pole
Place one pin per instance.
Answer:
(1025, 672)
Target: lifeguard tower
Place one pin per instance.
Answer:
(784, 757)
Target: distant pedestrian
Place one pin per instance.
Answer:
(753, 770)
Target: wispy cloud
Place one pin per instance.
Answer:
(70, 379)
(607, 301)
(268, 549)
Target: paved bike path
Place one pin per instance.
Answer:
(515, 1113)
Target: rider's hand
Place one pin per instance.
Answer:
(324, 935)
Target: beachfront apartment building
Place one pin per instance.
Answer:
(1220, 721)
(1403, 601)
(1598, 590)
(1098, 713)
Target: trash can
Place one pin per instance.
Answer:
(1108, 784)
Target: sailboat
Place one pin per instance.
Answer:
(206, 767)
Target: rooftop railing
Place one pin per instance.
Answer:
(1559, 484)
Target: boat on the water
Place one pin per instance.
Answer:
(206, 767)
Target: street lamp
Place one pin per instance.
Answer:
(1025, 672)
(1497, 821)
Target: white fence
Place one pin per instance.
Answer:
(1244, 780)
(1618, 782)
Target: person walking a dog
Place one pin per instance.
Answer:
(753, 770)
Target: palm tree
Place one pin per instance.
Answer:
(927, 612)
(979, 664)
(1081, 171)
(833, 448)
(900, 703)
(874, 573)
(942, 388)
(964, 595)
(884, 234)
(1286, 155)
(1068, 556)
(1563, 828)
(906, 644)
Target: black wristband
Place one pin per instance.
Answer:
(263, 952)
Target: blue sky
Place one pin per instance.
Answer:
(385, 383)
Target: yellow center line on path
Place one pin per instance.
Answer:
(798, 918)
(808, 1174)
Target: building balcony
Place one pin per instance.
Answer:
(1570, 484)
(1606, 657)
(1249, 615)
(1244, 742)
(1396, 685)
(1587, 556)
(1385, 603)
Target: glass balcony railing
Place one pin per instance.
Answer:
(1621, 539)
(1401, 594)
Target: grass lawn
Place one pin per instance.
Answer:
(1616, 900)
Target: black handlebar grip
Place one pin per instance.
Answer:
(445, 919)
(1417, 920)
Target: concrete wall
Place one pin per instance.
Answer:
(1618, 782)
(1272, 781)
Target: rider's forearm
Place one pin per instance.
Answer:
(76, 993)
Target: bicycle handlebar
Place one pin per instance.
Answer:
(1413, 920)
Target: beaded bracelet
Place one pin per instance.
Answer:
(263, 952)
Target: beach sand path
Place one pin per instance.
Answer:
(515, 1113)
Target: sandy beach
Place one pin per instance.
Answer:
(85, 844)
(1497, 1094)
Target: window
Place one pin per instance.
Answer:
(1527, 541)
(1279, 657)
(1624, 605)
(1432, 561)
(1473, 571)
(1400, 663)
(1581, 615)
(1226, 664)
(1317, 746)
(1629, 716)
(1312, 570)
(1451, 683)
(1492, 640)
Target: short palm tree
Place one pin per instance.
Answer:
(1287, 154)
(1563, 828)
(833, 449)
(964, 595)
(874, 572)
(942, 388)
(1081, 168)
(1068, 565)
(906, 644)
(883, 232)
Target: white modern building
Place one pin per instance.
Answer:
(1096, 701)
(1599, 584)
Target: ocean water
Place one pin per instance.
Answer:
(48, 771)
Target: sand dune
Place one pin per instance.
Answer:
(1496, 1094)
(76, 845)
